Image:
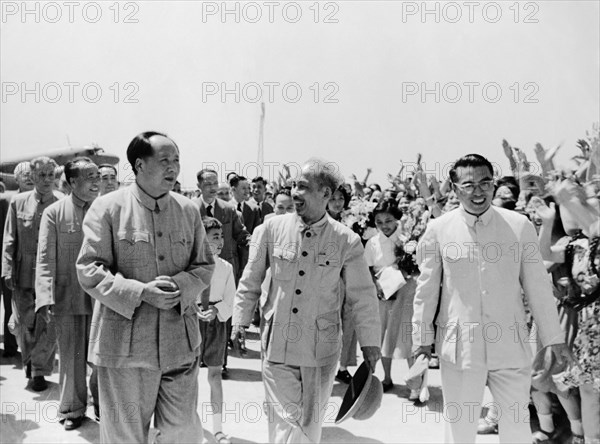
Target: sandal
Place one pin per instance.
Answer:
(222, 438)
(543, 437)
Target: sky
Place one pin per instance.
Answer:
(363, 84)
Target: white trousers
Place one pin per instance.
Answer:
(463, 397)
(297, 399)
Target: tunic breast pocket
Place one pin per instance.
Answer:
(283, 264)
(180, 253)
(329, 271)
(70, 241)
(458, 258)
(25, 220)
(134, 250)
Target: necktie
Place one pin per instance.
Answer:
(157, 208)
(239, 206)
(209, 212)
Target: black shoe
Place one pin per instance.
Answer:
(387, 386)
(39, 384)
(343, 376)
(28, 371)
(73, 423)
(225, 373)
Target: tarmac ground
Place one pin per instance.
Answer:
(31, 417)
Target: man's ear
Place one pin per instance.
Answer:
(327, 193)
(138, 163)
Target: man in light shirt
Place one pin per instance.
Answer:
(476, 262)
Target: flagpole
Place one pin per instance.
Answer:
(261, 148)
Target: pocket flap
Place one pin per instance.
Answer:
(134, 236)
(324, 260)
(177, 237)
(286, 255)
(326, 320)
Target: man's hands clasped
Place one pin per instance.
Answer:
(163, 293)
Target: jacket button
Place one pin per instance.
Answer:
(308, 235)
(159, 234)
(161, 258)
(304, 253)
(294, 310)
(301, 272)
(298, 291)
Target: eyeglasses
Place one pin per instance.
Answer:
(484, 185)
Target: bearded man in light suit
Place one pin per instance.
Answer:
(483, 258)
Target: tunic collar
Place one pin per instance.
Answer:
(316, 227)
(42, 199)
(148, 201)
(471, 219)
(80, 203)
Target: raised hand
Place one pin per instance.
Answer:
(522, 159)
(507, 149)
(546, 213)
(584, 147)
(540, 153)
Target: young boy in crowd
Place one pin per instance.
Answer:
(213, 323)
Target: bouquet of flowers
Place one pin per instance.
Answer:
(358, 213)
(406, 257)
(406, 250)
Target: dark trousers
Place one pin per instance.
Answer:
(10, 342)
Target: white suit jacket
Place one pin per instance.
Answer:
(481, 270)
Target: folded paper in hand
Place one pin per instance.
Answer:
(391, 280)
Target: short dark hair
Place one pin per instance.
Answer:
(388, 206)
(259, 179)
(108, 165)
(202, 172)
(74, 166)
(210, 223)
(347, 197)
(285, 192)
(140, 147)
(470, 160)
(235, 180)
(511, 183)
